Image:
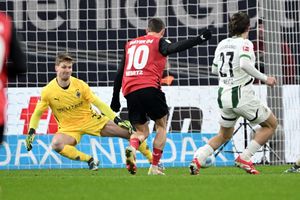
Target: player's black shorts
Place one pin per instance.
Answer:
(146, 103)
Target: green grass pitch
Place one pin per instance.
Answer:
(213, 183)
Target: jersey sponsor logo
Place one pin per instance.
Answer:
(70, 107)
(149, 41)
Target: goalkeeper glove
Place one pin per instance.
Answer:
(124, 124)
(205, 35)
(30, 138)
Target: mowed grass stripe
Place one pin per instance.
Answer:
(212, 183)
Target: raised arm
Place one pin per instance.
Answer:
(166, 47)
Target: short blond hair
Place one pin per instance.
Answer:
(63, 57)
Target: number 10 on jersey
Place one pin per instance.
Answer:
(137, 57)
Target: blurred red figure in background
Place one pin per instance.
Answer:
(10, 50)
(288, 61)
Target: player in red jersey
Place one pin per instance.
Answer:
(10, 50)
(140, 77)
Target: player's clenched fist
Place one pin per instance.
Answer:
(271, 81)
(205, 35)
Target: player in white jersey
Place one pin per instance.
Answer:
(234, 63)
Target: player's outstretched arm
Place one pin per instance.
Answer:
(167, 48)
(34, 121)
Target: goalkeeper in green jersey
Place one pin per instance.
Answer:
(71, 100)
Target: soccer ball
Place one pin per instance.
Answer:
(210, 161)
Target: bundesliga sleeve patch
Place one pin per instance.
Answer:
(168, 41)
(246, 48)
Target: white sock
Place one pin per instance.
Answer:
(298, 161)
(251, 149)
(203, 152)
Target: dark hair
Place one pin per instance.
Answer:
(63, 57)
(239, 23)
(155, 25)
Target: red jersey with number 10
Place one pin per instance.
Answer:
(144, 64)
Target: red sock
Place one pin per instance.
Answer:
(135, 143)
(156, 156)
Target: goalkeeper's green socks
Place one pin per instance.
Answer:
(72, 153)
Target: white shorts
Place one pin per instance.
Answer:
(249, 107)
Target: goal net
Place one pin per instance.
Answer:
(280, 57)
(95, 32)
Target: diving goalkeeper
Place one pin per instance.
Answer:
(71, 100)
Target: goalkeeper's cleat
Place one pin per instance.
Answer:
(247, 166)
(130, 160)
(294, 169)
(195, 167)
(93, 164)
(155, 170)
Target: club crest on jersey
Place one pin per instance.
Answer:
(78, 93)
(246, 48)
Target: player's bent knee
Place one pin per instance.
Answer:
(275, 123)
(226, 133)
(271, 122)
(57, 146)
